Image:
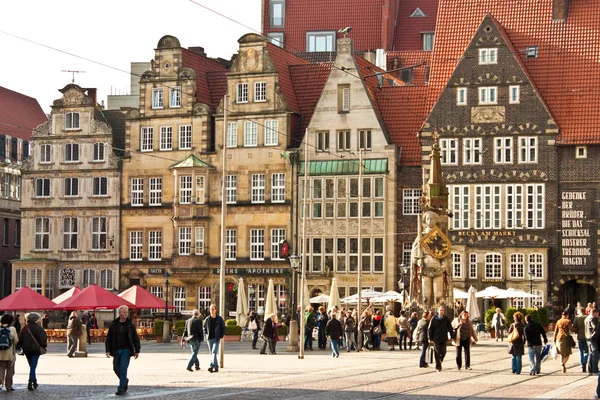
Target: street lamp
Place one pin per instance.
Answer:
(295, 265)
(531, 275)
(402, 282)
(166, 327)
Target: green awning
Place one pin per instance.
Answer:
(191, 162)
(345, 167)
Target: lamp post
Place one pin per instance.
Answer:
(531, 275)
(293, 343)
(166, 327)
(402, 281)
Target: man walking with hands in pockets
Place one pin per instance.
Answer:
(122, 342)
(193, 335)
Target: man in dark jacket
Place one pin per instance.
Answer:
(121, 343)
(193, 335)
(74, 330)
(267, 336)
(333, 330)
(591, 324)
(533, 335)
(439, 328)
(254, 326)
(423, 338)
(214, 329)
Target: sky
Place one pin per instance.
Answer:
(111, 32)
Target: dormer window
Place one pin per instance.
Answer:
(157, 98)
(277, 13)
(320, 41)
(428, 40)
(175, 96)
(488, 56)
(242, 93)
(71, 121)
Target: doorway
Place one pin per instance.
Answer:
(231, 291)
(578, 291)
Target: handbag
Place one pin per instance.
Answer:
(377, 330)
(570, 341)
(514, 335)
(252, 325)
(430, 355)
(42, 349)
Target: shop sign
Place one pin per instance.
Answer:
(475, 233)
(156, 271)
(252, 271)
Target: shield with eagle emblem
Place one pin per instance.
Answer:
(436, 243)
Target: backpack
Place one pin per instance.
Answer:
(5, 340)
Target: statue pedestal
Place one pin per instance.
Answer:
(82, 345)
(166, 333)
(293, 343)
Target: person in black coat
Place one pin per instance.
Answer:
(333, 330)
(193, 335)
(32, 340)
(214, 330)
(121, 343)
(267, 336)
(534, 332)
(254, 326)
(439, 328)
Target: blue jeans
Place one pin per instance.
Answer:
(254, 339)
(308, 338)
(120, 365)
(422, 361)
(213, 349)
(583, 352)
(517, 364)
(334, 347)
(194, 346)
(535, 359)
(403, 338)
(376, 340)
(32, 359)
(593, 356)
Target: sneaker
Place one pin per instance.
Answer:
(120, 392)
(211, 369)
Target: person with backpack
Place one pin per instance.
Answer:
(8, 341)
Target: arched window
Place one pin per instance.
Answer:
(20, 278)
(493, 265)
(517, 265)
(89, 277)
(106, 279)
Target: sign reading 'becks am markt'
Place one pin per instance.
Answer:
(252, 271)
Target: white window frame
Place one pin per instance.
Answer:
(503, 150)
(517, 266)
(175, 97)
(428, 40)
(231, 189)
(343, 141)
(72, 152)
(260, 92)
(258, 188)
(185, 240)
(185, 137)
(457, 265)
(45, 154)
(157, 98)
(323, 141)
(491, 206)
(232, 139)
(179, 298)
(155, 191)
(146, 138)
(20, 278)
(472, 151)
(473, 266)
(528, 150)
(154, 245)
(493, 266)
(535, 217)
(364, 139)
(536, 262)
(277, 13)
(166, 138)
(70, 233)
(460, 197)
(185, 189)
(277, 188)
(276, 38)
(99, 152)
(449, 151)
(580, 151)
(204, 299)
(410, 201)
(199, 240)
(277, 235)
(99, 233)
(271, 132)
(137, 192)
(488, 95)
(514, 206)
(42, 185)
(488, 56)
(461, 96)
(257, 244)
(250, 134)
(230, 244)
(514, 94)
(312, 39)
(72, 121)
(242, 93)
(200, 189)
(136, 239)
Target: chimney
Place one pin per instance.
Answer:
(381, 59)
(560, 9)
(91, 93)
(369, 56)
(198, 50)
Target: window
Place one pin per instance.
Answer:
(471, 151)
(514, 94)
(135, 245)
(166, 138)
(154, 245)
(277, 235)
(341, 210)
(406, 253)
(231, 189)
(230, 244)
(260, 91)
(5, 229)
(99, 233)
(278, 188)
(488, 56)
(518, 303)
(503, 150)
(410, 201)
(42, 234)
(277, 13)
(456, 265)
(250, 133)
(528, 150)
(157, 98)
(460, 204)
(155, 191)
(317, 210)
(536, 264)
(276, 38)
(271, 132)
(17, 232)
(107, 280)
(185, 240)
(341, 188)
(71, 152)
(580, 151)
(341, 255)
(50, 283)
(231, 134)
(147, 139)
(538, 300)
(200, 189)
(514, 206)
(517, 266)
(322, 141)
(448, 151)
(461, 96)
(70, 233)
(71, 121)
(158, 292)
(320, 41)
(98, 152)
(378, 254)
(242, 93)
(343, 141)
(185, 189)
(71, 187)
(281, 297)
(203, 297)
(175, 96)
(20, 278)
(407, 75)
(488, 95)
(473, 266)
(535, 206)
(256, 296)
(199, 240)
(364, 140)
(35, 280)
(89, 277)
(317, 257)
(257, 244)
(428, 41)
(45, 154)
(491, 202)
(493, 266)
(185, 137)
(317, 188)
(100, 186)
(258, 188)
(353, 257)
(137, 191)
(343, 98)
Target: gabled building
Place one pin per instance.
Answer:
(19, 114)
(70, 203)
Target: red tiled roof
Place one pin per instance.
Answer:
(565, 70)
(217, 85)
(419, 58)
(282, 60)
(407, 35)
(19, 114)
(201, 65)
(404, 109)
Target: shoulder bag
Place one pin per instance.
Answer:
(514, 335)
(42, 349)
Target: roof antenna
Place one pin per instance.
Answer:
(73, 72)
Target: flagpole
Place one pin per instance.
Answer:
(223, 229)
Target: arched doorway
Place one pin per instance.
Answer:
(576, 290)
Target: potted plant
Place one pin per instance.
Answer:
(158, 328)
(233, 333)
(180, 327)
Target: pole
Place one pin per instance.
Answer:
(166, 328)
(302, 267)
(223, 228)
(359, 275)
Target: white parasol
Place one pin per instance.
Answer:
(241, 314)
(334, 296)
(271, 303)
(472, 308)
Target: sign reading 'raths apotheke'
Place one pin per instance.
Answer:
(253, 271)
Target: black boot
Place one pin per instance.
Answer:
(30, 385)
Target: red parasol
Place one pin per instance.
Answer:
(141, 298)
(26, 299)
(93, 297)
(66, 295)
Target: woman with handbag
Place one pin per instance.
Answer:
(561, 339)
(516, 346)
(33, 342)
(377, 331)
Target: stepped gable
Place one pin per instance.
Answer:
(19, 114)
(563, 72)
(407, 35)
(203, 66)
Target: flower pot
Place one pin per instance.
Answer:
(232, 338)
(159, 339)
(492, 333)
